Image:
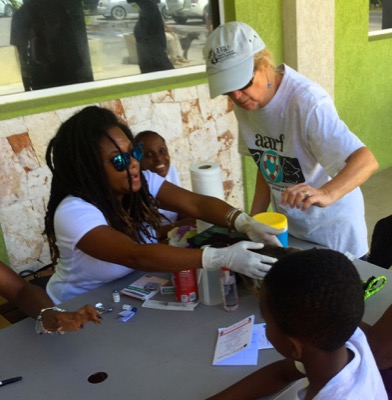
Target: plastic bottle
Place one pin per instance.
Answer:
(277, 221)
(208, 284)
(116, 296)
(209, 287)
(229, 289)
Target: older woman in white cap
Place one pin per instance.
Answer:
(310, 165)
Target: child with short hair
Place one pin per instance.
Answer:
(157, 159)
(156, 156)
(313, 302)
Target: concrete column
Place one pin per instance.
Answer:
(309, 38)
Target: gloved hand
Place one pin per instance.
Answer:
(256, 231)
(239, 259)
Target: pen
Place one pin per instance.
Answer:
(11, 380)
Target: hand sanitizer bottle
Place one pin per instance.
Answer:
(229, 289)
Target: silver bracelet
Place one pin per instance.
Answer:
(230, 215)
(39, 325)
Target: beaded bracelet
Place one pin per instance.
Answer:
(230, 217)
(39, 325)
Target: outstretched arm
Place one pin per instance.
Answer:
(206, 208)
(380, 340)
(265, 381)
(31, 299)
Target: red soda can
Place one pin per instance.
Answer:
(185, 285)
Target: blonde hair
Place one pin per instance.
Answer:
(263, 59)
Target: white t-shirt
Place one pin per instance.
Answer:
(172, 177)
(77, 272)
(299, 138)
(360, 379)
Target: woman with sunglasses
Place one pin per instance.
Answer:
(310, 165)
(102, 216)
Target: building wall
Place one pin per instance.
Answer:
(363, 79)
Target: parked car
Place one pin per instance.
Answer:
(117, 9)
(182, 10)
(121, 9)
(164, 10)
(7, 9)
(90, 5)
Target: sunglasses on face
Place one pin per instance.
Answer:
(122, 161)
(249, 84)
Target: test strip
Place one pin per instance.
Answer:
(169, 305)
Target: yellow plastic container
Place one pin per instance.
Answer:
(277, 221)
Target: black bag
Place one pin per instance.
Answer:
(39, 277)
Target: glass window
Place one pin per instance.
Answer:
(380, 15)
(55, 43)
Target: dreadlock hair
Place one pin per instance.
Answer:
(73, 156)
(315, 295)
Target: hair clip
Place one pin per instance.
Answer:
(373, 285)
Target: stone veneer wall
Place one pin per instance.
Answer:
(196, 128)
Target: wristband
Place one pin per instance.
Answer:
(39, 325)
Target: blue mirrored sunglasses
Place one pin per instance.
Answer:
(122, 161)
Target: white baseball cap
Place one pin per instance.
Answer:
(229, 52)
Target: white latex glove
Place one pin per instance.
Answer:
(256, 231)
(239, 259)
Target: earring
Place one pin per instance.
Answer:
(269, 85)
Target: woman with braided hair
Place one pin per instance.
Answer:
(102, 215)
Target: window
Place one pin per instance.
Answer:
(74, 45)
(380, 15)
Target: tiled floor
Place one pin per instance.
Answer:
(377, 192)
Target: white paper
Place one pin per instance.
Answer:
(263, 342)
(169, 305)
(248, 356)
(234, 339)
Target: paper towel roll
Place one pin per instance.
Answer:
(206, 178)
